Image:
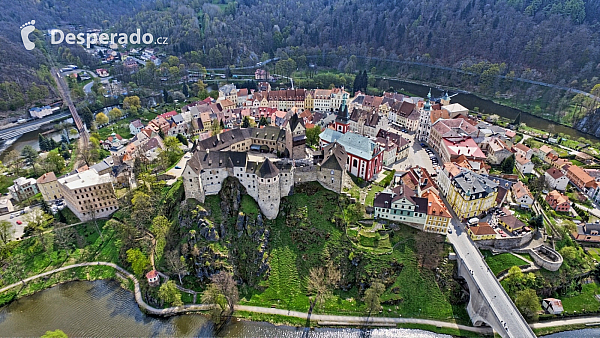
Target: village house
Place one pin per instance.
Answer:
(135, 127)
(522, 195)
(511, 223)
(453, 147)
(481, 231)
(48, 186)
(557, 201)
(523, 150)
(23, 188)
(588, 232)
(556, 179)
(580, 179)
(523, 164)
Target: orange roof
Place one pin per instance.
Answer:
(580, 174)
(452, 168)
(152, 274)
(435, 205)
(558, 197)
(522, 159)
(482, 229)
(47, 177)
(520, 190)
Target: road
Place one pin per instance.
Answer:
(502, 306)
(416, 155)
(178, 172)
(17, 228)
(20, 129)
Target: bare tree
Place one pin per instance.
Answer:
(176, 264)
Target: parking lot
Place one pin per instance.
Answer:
(417, 155)
(14, 218)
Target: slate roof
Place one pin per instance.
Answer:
(471, 183)
(334, 157)
(267, 169)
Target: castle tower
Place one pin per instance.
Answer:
(342, 121)
(295, 134)
(425, 120)
(445, 100)
(269, 190)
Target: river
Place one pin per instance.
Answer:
(489, 107)
(104, 309)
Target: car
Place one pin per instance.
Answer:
(12, 216)
(423, 145)
(177, 167)
(503, 235)
(449, 231)
(19, 222)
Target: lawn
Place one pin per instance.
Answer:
(501, 262)
(305, 238)
(584, 301)
(5, 182)
(371, 194)
(121, 127)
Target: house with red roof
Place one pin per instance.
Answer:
(453, 147)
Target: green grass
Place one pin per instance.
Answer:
(248, 206)
(501, 262)
(121, 127)
(5, 182)
(594, 253)
(304, 238)
(584, 301)
(371, 194)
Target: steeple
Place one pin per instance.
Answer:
(445, 100)
(427, 105)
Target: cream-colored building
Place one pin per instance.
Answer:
(470, 194)
(89, 195)
(48, 186)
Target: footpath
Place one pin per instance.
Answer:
(326, 320)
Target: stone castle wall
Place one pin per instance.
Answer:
(266, 192)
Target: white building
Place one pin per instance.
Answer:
(523, 164)
(556, 179)
(39, 112)
(424, 127)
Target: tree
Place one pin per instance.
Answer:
(222, 291)
(54, 334)
(12, 160)
(372, 297)
(159, 228)
(6, 231)
(212, 295)
(528, 303)
(166, 97)
(64, 237)
(115, 114)
(228, 72)
(508, 164)
(248, 122)
(169, 294)
(141, 204)
(312, 135)
(55, 161)
(263, 121)
(132, 102)
(29, 154)
(172, 147)
(101, 119)
(215, 127)
(182, 139)
(139, 262)
(185, 90)
(517, 121)
(36, 219)
(176, 264)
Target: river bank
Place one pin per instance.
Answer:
(487, 105)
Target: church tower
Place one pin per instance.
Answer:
(425, 120)
(342, 121)
(445, 100)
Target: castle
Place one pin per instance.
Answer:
(267, 181)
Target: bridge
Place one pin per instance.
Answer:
(18, 130)
(63, 89)
(488, 302)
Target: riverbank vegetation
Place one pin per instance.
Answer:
(301, 261)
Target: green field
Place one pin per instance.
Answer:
(306, 238)
(501, 262)
(371, 195)
(584, 301)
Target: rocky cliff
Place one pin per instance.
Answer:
(589, 124)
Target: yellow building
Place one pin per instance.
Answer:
(481, 231)
(511, 223)
(438, 217)
(471, 194)
(309, 102)
(48, 186)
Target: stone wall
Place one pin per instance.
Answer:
(506, 243)
(550, 260)
(330, 179)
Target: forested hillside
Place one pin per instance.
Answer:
(555, 41)
(23, 82)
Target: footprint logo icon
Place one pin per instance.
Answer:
(26, 29)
